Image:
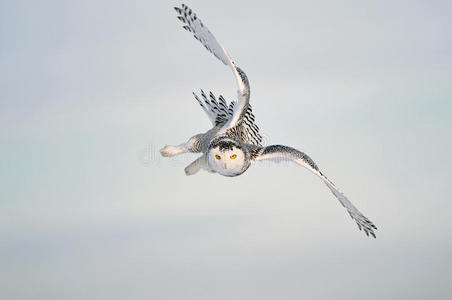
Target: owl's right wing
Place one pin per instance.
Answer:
(279, 152)
(194, 25)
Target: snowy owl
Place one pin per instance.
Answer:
(234, 142)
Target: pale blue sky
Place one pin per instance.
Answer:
(90, 90)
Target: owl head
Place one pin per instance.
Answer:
(228, 157)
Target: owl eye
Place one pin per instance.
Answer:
(233, 156)
(218, 157)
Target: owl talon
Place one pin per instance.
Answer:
(169, 151)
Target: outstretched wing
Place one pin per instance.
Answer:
(279, 152)
(202, 34)
(220, 113)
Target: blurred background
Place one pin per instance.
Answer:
(91, 90)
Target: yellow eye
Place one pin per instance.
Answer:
(218, 157)
(233, 156)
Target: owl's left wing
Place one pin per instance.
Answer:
(279, 152)
(194, 25)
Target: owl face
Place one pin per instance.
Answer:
(228, 158)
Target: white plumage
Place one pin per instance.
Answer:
(234, 142)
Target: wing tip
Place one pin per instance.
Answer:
(178, 10)
(369, 230)
(364, 224)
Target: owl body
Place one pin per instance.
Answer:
(226, 154)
